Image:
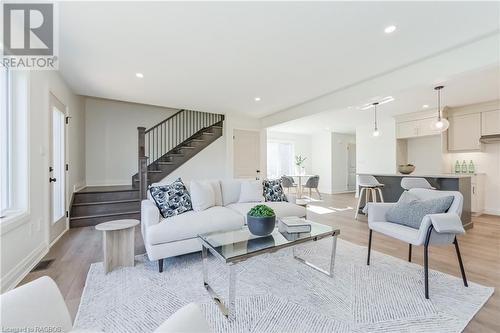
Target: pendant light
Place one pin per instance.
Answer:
(440, 124)
(375, 129)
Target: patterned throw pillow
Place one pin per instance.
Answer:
(172, 199)
(273, 191)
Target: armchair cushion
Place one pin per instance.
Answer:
(410, 210)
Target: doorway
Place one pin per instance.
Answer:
(57, 168)
(351, 166)
(246, 156)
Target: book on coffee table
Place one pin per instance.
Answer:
(294, 224)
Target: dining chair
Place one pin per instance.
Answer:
(312, 183)
(288, 182)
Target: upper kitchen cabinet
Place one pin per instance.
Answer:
(464, 132)
(412, 125)
(468, 123)
(490, 122)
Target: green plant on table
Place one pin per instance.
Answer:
(299, 160)
(261, 211)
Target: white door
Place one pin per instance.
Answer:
(351, 166)
(57, 168)
(246, 147)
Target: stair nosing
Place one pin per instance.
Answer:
(105, 202)
(75, 218)
(94, 192)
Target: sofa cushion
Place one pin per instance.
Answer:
(191, 224)
(273, 191)
(202, 195)
(171, 199)
(410, 210)
(251, 191)
(281, 209)
(230, 191)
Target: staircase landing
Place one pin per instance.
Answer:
(96, 204)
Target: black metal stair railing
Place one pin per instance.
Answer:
(157, 141)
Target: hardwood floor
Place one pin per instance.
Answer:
(480, 249)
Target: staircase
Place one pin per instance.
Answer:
(171, 143)
(162, 149)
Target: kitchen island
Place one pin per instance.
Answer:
(392, 189)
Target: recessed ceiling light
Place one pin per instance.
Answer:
(425, 106)
(390, 29)
(139, 75)
(257, 99)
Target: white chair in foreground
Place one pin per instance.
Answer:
(436, 229)
(415, 182)
(39, 305)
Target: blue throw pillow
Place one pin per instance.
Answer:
(410, 210)
(171, 199)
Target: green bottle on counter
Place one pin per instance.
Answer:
(464, 167)
(457, 167)
(471, 167)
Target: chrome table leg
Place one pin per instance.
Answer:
(229, 310)
(321, 270)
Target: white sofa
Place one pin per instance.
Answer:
(38, 306)
(173, 236)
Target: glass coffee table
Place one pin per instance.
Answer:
(232, 247)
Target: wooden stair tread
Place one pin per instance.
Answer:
(103, 189)
(74, 218)
(188, 147)
(105, 202)
(155, 171)
(166, 163)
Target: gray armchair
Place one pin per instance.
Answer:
(436, 229)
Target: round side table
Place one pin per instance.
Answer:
(118, 243)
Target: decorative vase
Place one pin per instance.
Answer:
(406, 169)
(302, 170)
(261, 225)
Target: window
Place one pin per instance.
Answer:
(13, 142)
(279, 159)
(6, 140)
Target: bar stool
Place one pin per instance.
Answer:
(368, 185)
(408, 183)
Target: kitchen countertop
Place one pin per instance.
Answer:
(439, 175)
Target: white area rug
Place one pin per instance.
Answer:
(275, 293)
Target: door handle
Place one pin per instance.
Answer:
(52, 180)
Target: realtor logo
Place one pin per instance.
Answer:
(28, 36)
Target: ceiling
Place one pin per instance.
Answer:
(467, 88)
(218, 56)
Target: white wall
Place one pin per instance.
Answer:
(426, 154)
(25, 241)
(376, 154)
(488, 162)
(301, 143)
(340, 155)
(321, 153)
(111, 138)
(216, 160)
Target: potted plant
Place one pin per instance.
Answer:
(299, 160)
(261, 220)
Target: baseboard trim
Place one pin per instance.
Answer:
(492, 212)
(19, 272)
(58, 237)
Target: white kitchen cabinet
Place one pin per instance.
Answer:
(415, 128)
(490, 121)
(464, 132)
(407, 129)
(477, 194)
(425, 127)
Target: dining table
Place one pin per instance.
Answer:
(300, 177)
